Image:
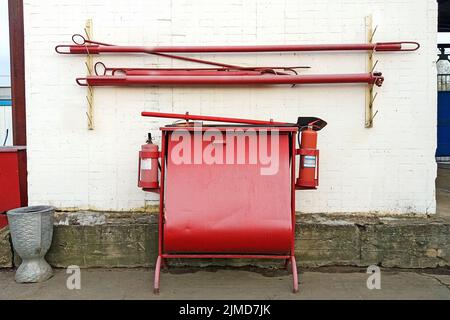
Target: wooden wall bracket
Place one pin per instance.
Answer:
(88, 30)
(370, 66)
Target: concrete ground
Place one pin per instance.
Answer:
(245, 283)
(237, 283)
(443, 190)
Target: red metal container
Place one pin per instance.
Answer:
(13, 188)
(228, 208)
(228, 191)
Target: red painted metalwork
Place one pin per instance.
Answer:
(219, 64)
(294, 274)
(135, 72)
(123, 80)
(308, 175)
(186, 221)
(212, 63)
(160, 259)
(85, 46)
(224, 256)
(302, 122)
(101, 70)
(157, 274)
(3, 220)
(244, 71)
(204, 215)
(237, 76)
(194, 117)
(292, 259)
(190, 126)
(17, 66)
(148, 166)
(12, 178)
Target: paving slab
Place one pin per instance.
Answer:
(230, 283)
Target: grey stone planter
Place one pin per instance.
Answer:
(31, 233)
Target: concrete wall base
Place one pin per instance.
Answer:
(6, 257)
(94, 239)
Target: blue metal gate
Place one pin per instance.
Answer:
(443, 129)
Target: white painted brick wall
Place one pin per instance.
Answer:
(389, 168)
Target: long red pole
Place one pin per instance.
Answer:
(370, 78)
(94, 48)
(188, 116)
(155, 72)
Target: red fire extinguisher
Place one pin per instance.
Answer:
(148, 165)
(308, 176)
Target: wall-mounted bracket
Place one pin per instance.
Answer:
(370, 66)
(90, 67)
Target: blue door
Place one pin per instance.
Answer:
(443, 130)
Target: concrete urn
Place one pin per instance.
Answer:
(31, 232)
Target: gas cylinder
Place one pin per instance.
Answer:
(308, 175)
(148, 165)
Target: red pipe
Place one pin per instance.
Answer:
(143, 72)
(370, 78)
(101, 69)
(93, 48)
(188, 116)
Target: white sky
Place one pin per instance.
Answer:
(443, 37)
(4, 44)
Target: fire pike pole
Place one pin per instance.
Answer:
(85, 46)
(369, 78)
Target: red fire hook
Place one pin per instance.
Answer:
(160, 80)
(302, 122)
(101, 70)
(94, 47)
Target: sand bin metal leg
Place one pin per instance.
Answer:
(294, 274)
(157, 273)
